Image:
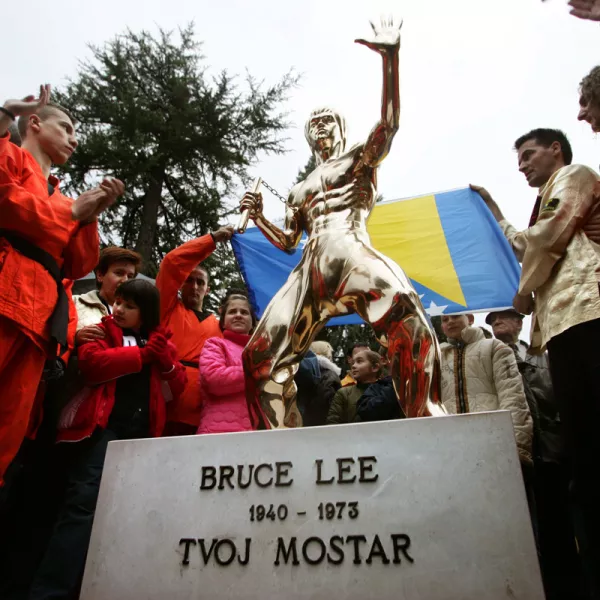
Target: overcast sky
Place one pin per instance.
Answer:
(474, 75)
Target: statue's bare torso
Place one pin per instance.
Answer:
(339, 193)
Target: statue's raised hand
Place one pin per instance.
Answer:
(387, 36)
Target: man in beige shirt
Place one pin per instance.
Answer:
(561, 268)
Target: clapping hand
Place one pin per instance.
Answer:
(95, 201)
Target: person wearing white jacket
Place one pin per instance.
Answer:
(480, 374)
(116, 266)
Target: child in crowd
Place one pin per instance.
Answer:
(373, 398)
(379, 401)
(480, 375)
(222, 380)
(130, 373)
(365, 370)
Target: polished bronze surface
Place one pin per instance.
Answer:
(339, 272)
(245, 215)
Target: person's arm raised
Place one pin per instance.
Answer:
(12, 109)
(177, 265)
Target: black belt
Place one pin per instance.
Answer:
(189, 363)
(59, 319)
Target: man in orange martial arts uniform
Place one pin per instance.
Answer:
(183, 283)
(44, 237)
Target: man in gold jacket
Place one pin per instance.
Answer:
(561, 268)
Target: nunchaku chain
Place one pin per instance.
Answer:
(274, 192)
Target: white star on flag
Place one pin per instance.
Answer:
(434, 310)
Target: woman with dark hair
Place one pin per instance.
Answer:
(221, 370)
(130, 374)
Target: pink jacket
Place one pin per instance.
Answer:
(224, 408)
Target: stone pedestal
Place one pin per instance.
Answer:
(423, 509)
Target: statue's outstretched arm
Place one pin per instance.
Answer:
(387, 43)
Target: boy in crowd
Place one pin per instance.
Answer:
(357, 347)
(116, 265)
(365, 370)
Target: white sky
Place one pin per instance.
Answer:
(475, 74)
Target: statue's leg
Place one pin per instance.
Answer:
(384, 297)
(282, 337)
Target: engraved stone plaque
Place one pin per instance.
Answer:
(422, 509)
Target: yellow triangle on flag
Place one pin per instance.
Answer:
(410, 232)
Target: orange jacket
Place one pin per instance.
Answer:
(27, 291)
(189, 334)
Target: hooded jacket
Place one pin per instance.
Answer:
(479, 375)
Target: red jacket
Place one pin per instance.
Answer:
(102, 362)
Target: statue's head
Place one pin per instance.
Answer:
(325, 128)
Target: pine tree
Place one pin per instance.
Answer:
(182, 141)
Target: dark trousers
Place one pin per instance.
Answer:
(33, 496)
(559, 560)
(60, 572)
(575, 369)
(27, 518)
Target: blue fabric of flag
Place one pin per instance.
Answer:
(448, 243)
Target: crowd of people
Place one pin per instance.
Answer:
(133, 359)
